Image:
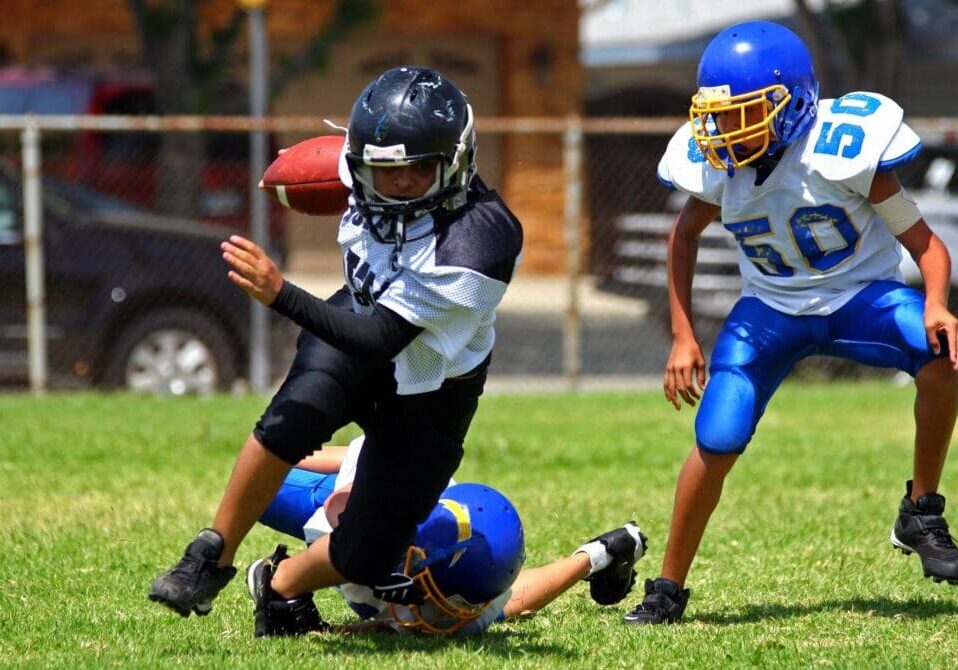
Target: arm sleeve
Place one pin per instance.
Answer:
(376, 337)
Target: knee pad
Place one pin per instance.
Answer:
(303, 415)
(728, 415)
(291, 430)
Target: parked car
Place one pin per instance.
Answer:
(641, 251)
(126, 164)
(132, 299)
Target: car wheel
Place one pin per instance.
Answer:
(172, 352)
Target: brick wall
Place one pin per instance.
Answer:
(540, 74)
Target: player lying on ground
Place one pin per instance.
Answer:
(462, 573)
(808, 189)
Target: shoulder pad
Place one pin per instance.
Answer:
(683, 167)
(856, 135)
(485, 237)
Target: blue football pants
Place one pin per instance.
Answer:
(882, 326)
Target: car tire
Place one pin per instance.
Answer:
(172, 352)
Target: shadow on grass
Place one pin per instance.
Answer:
(882, 607)
(503, 643)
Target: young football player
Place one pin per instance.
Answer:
(462, 573)
(402, 350)
(808, 189)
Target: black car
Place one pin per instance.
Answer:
(132, 299)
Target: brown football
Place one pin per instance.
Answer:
(305, 177)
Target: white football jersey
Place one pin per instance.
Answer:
(448, 279)
(808, 237)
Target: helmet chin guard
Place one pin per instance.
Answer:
(438, 615)
(465, 555)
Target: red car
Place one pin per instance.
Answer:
(126, 165)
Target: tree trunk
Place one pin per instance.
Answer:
(166, 30)
(830, 50)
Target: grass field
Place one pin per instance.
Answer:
(98, 494)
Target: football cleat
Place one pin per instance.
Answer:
(921, 529)
(664, 602)
(621, 547)
(193, 583)
(274, 614)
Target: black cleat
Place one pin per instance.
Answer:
(274, 614)
(921, 528)
(664, 602)
(625, 545)
(195, 581)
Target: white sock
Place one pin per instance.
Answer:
(598, 557)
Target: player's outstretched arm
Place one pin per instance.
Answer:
(684, 376)
(535, 588)
(931, 256)
(326, 461)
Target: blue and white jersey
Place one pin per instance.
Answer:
(808, 237)
(448, 278)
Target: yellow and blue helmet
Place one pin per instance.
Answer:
(467, 553)
(762, 72)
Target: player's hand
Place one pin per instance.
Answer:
(684, 373)
(940, 323)
(400, 590)
(253, 271)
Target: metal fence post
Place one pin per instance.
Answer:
(259, 210)
(33, 250)
(572, 324)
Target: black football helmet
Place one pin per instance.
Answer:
(408, 115)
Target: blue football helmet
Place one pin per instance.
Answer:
(466, 554)
(756, 86)
(405, 116)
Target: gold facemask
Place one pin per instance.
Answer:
(438, 615)
(725, 149)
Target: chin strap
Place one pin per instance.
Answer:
(399, 233)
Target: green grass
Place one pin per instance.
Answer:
(98, 494)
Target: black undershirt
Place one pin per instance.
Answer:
(764, 166)
(373, 338)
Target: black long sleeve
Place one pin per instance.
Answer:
(375, 338)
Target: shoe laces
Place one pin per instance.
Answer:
(662, 602)
(941, 538)
(189, 566)
(655, 602)
(307, 617)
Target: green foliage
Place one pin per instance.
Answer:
(169, 33)
(350, 15)
(858, 24)
(98, 494)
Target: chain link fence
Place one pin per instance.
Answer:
(111, 276)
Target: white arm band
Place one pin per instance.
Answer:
(899, 212)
